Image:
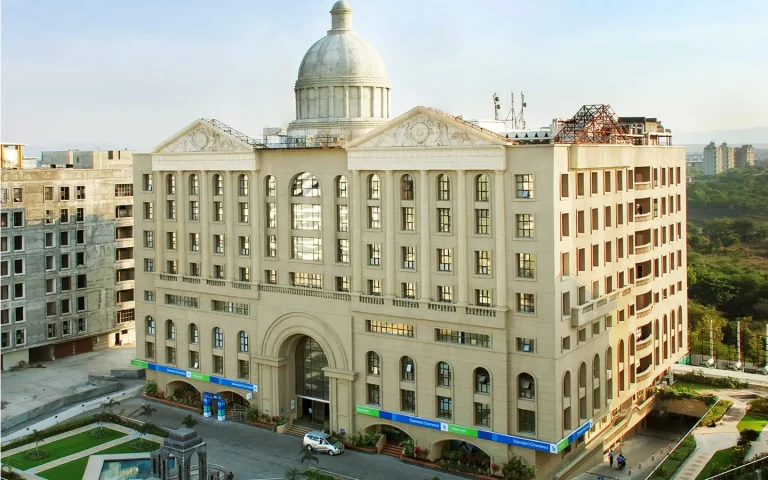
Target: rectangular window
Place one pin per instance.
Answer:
(218, 364)
(170, 243)
(244, 244)
(526, 421)
(270, 277)
(306, 216)
(374, 255)
(182, 301)
(149, 239)
(608, 216)
(444, 260)
(482, 262)
(271, 246)
(125, 189)
(218, 211)
(271, 215)
(149, 296)
(342, 284)
(483, 414)
(194, 269)
(51, 330)
(619, 180)
(444, 220)
(408, 290)
(408, 401)
(524, 223)
(194, 210)
(483, 297)
(524, 186)
(170, 209)
(149, 349)
(244, 274)
(80, 237)
(64, 239)
(526, 263)
(342, 218)
(482, 221)
(307, 280)
(18, 266)
(82, 304)
(50, 307)
(444, 407)
(445, 294)
(389, 328)
(194, 359)
(170, 355)
(64, 216)
(47, 194)
(218, 272)
(342, 250)
(244, 215)
(374, 218)
(462, 338)
(409, 219)
(525, 345)
(594, 187)
(171, 267)
(374, 287)
(409, 257)
(607, 182)
(50, 286)
(18, 219)
(63, 193)
(374, 394)
(525, 303)
(229, 307)
(243, 369)
(146, 182)
(218, 244)
(307, 249)
(194, 242)
(82, 325)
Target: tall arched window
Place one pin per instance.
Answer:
(680, 330)
(567, 384)
(608, 368)
(672, 336)
(482, 381)
(632, 367)
(150, 322)
(374, 187)
(407, 369)
(443, 187)
(443, 374)
(583, 384)
(242, 182)
(373, 363)
(526, 388)
(665, 347)
(170, 184)
(218, 184)
(341, 187)
(406, 187)
(305, 185)
(596, 376)
(242, 340)
(482, 188)
(170, 330)
(620, 360)
(567, 416)
(270, 186)
(218, 338)
(194, 184)
(194, 334)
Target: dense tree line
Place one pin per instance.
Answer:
(741, 189)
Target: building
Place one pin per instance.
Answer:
(67, 256)
(729, 157)
(713, 159)
(429, 278)
(745, 156)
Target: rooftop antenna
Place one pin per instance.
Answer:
(516, 119)
(521, 118)
(496, 106)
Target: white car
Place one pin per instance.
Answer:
(323, 442)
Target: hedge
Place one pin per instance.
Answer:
(716, 413)
(669, 467)
(759, 405)
(721, 382)
(673, 393)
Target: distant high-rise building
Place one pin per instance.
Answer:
(745, 156)
(713, 159)
(729, 156)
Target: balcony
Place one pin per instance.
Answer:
(643, 281)
(405, 303)
(308, 292)
(643, 372)
(644, 344)
(644, 217)
(644, 311)
(168, 277)
(442, 307)
(639, 249)
(643, 185)
(241, 285)
(592, 310)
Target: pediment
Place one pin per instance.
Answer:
(426, 127)
(202, 136)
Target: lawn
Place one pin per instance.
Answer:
(753, 421)
(76, 468)
(62, 448)
(693, 386)
(721, 457)
(716, 413)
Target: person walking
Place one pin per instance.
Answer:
(610, 458)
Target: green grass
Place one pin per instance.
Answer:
(716, 413)
(721, 457)
(668, 469)
(76, 468)
(753, 421)
(62, 448)
(693, 386)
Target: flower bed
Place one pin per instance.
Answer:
(669, 467)
(716, 413)
(360, 448)
(171, 403)
(439, 468)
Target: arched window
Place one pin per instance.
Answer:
(170, 184)
(482, 381)
(608, 378)
(406, 187)
(631, 366)
(218, 338)
(218, 185)
(270, 186)
(680, 330)
(567, 384)
(526, 388)
(374, 187)
(170, 330)
(443, 374)
(596, 382)
(242, 182)
(373, 363)
(341, 187)
(567, 416)
(242, 340)
(194, 185)
(620, 360)
(407, 369)
(443, 187)
(665, 347)
(150, 324)
(482, 188)
(305, 185)
(194, 334)
(583, 384)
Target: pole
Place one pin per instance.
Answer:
(711, 340)
(739, 365)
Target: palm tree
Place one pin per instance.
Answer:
(144, 429)
(107, 408)
(147, 411)
(309, 455)
(37, 437)
(188, 421)
(292, 474)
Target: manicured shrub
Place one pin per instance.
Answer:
(749, 435)
(759, 405)
(701, 379)
(668, 469)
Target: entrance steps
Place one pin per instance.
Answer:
(392, 450)
(297, 430)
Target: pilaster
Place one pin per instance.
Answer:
(461, 266)
(389, 225)
(355, 219)
(424, 226)
(500, 228)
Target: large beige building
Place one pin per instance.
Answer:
(430, 278)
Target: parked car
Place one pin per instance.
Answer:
(323, 442)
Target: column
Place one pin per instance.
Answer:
(257, 209)
(360, 102)
(389, 226)
(389, 102)
(205, 217)
(161, 196)
(346, 102)
(230, 242)
(461, 231)
(424, 225)
(298, 110)
(317, 102)
(330, 102)
(181, 221)
(355, 219)
(500, 228)
(383, 102)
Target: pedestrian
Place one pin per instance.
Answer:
(610, 458)
(231, 476)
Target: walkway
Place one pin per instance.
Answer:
(642, 452)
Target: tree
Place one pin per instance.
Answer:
(37, 437)
(188, 421)
(144, 429)
(147, 411)
(309, 455)
(516, 469)
(292, 474)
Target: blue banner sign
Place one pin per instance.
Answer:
(224, 382)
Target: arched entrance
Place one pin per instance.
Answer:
(311, 384)
(234, 398)
(460, 452)
(180, 391)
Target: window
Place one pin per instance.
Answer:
(218, 244)
(271, 215)
(63, 193)
(341, 186)
(82, 325)
(245, 246)
(444, 220)
(443, 374)
(18, 218)
(482, 381)
(445, 294)
(409, 257)
(483, 414)
(245, 274)
(406, 187)
(218, 211)
(149, 349)
(18, 291)
(65, 260)
(64, 239)
(407, 401)
(444, 260)
(146, 182)
(525, 265)
(63, 216)
(373, 363)
(194, 334)
(242, 182)
(444, 407)
(342, 284)
(483, 297)
(408, 219)
(182, 301)
(482, 188)
(389, 328)
(307, 280)
(149, 239)
(342, 250)
(19, 315)
(270, 186)
(18, 266)
(482, 262)
(6, 340)
(525, 386)
(443, 187)
(218, 364)
(374, 394)
(194, 210)
(194, 359)
(149, 295)
(524, 186)
(124, 190)
(150, 323)
(50, 285)
(229, 307)
(524, 225)
(525, 303)
(526, 421)
(47, 194)
(374, 218)
(607, 182)
(594, 187)
(82, 304)
(342, 218)
(305, 185)
(194, 269)
(244, 212)
(80, 192)
(242, 341)
(243, 369)
(218, 338)
(462, 338)
(218, 185)
(525, 345)
(482, 221)
(270, 277)
(374, 255)
(170, 240)
(194, 242)
(50, 307)
(306, 216)
(408, 290)
(18, 241)
(218, 272)
(194, 184)
(374, 287)
(271, 244)
(307, 248)
(149, 213)
(170, 330)
(374, 187)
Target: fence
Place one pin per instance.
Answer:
(748, 471)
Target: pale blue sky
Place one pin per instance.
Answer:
(128, 74)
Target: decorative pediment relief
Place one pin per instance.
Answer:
(203, 137)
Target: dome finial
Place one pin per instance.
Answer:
(341, 16)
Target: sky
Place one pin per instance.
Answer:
(130, 73)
